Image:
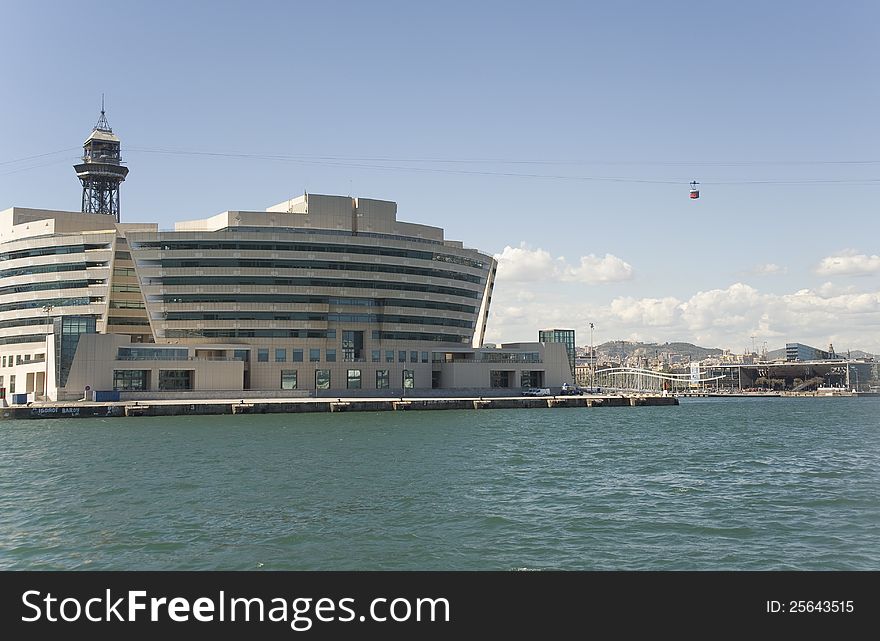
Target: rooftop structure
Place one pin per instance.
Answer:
(101, 170)
(564, 336)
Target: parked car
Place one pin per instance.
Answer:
(569, 390)
(589, 390)
(538, 391)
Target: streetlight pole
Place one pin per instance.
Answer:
(48, 310)
(592, 362)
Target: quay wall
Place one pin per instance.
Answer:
(193, 407)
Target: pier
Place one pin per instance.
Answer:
(83, 409)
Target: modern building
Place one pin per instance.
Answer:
(317, 294)
(564, 336)
(801, 352)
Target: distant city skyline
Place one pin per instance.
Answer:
(560, 138)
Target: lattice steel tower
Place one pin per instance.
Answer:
(101, 170)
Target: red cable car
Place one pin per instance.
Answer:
(695, 193)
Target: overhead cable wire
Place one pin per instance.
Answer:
(50, 153)
(342, 162)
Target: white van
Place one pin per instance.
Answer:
(538, 391)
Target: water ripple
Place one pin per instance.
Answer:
(713, 484)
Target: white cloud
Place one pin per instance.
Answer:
(608, 269)
(653, 312)
(725, 317)
(849, 263)
(523, 264)
(721, 307)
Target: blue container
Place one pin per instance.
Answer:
(19, 399)
(106, 396)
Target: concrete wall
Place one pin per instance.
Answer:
(95, 362)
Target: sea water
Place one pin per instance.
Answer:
(713, 484)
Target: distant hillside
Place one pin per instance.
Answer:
(622, 350)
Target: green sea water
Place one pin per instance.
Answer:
(714, 484)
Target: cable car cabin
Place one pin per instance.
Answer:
(695, 193)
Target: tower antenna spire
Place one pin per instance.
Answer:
(102, 124)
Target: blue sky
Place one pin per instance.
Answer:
(771, 106)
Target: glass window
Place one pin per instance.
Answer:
(322, 379)
(241, 355)
(288, 379)
(12, 384)
(376, 356)
(424, 357)
(4, 361)
(151, 354)
(352, 346)
(389, 355)
(354, 379)
(263, 355)
(413, 357)
(296, 356)
(314, 355)
(401, 356)
(280, 354)
(408, 379)
(331, 333)
(382, 379)
(331, 355)
(135, 380)
(175, 379)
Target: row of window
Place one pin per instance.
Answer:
(16, 340)
(268, 298)
(310, 333)
(183, 379)
(137, 380)
(47, 269)
(297, 355)
(126, 304)
(51, 251)
(318, 317)
(21, 359)
(23, 322)
(353, 379)
(58, 284)
(275, 281)
(126, 288)
(123, 320)
(244, 245)
(272, 263)
(42, 251)
(332, 232)
(151, 354)
(54, 302)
